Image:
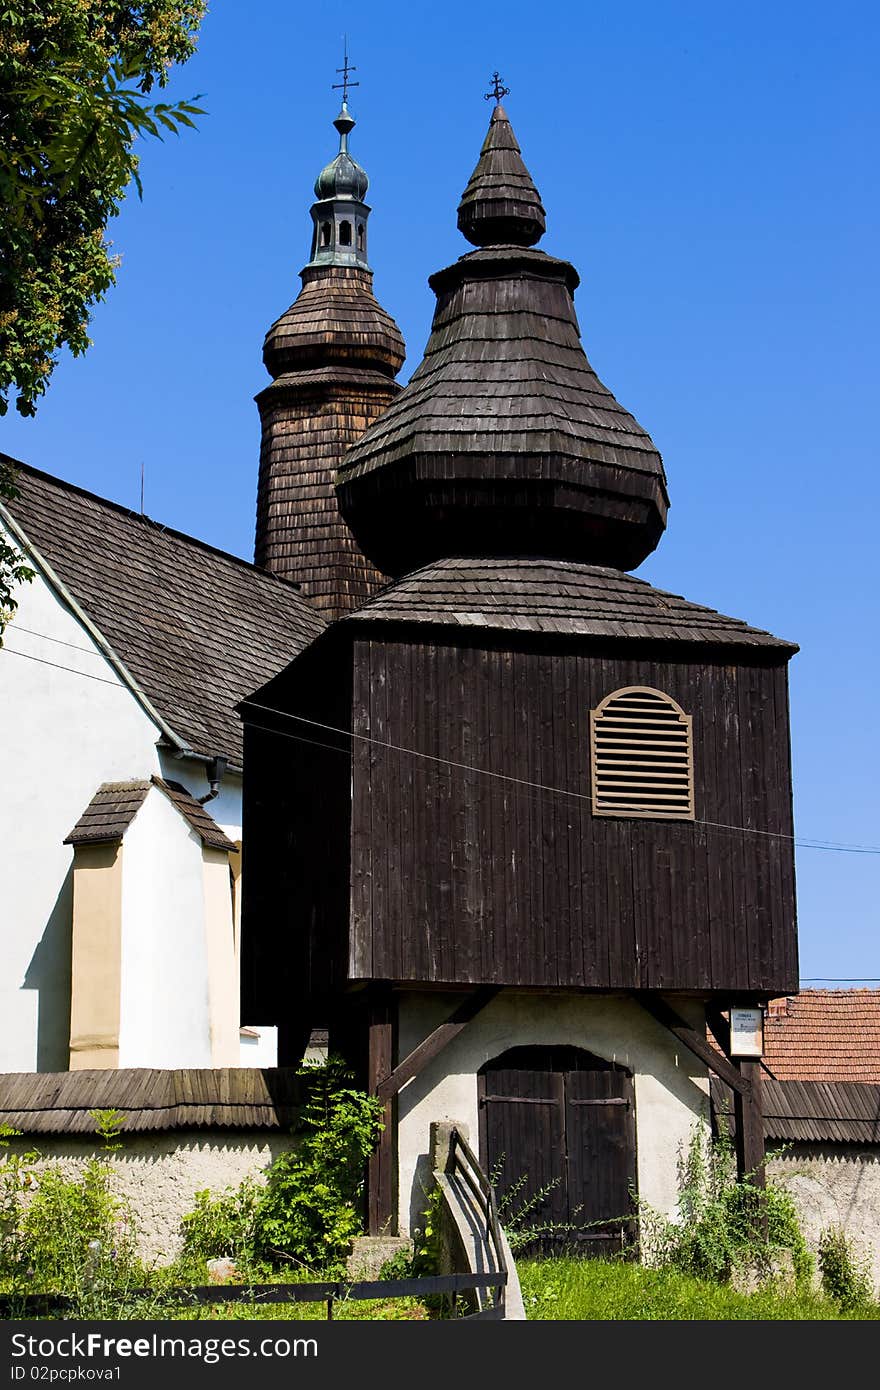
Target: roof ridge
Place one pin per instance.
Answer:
(152, 523)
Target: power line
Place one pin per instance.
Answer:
(74, 646)
(522, 782)
(541, 787)
(58, 667)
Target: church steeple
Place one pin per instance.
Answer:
(500, 205)
(333, 356)
(504, 442)
(340, 214)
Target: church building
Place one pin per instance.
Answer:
(517, 825)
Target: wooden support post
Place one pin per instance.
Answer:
(749, 1113)
(750, 1125)
(381, 1214)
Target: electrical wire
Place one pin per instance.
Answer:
(58, 667)
(543, 788)
(805, 843)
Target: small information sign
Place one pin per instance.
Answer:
(746, 1032)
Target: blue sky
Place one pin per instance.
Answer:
(711, 171)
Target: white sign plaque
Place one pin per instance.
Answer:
(746, 1032)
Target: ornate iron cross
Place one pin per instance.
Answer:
(498, 89)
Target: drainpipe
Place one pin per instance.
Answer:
(214, 772)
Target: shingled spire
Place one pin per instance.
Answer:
(333, 356)
(505, 442)
(501, 203)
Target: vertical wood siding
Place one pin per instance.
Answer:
(457, 876)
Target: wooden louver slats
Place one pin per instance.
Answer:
(641, 749)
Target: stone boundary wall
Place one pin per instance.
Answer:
(834, 1185)
(158, 1174)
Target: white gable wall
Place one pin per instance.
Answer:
(164, 1011)
(65, 734)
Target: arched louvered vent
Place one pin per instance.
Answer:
(641, 747)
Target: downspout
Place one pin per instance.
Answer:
(214, 773)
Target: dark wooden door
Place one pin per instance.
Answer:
(557, 1134)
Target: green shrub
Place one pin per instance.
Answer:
(221, 1225)
(310, 1208)
(67, 1234)
(846, 1273)
(722, 1221)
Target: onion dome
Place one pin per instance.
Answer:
(333, 356)
(336, 320)
(501, 203)
(340, 215)
(505, 441)
(342, 177)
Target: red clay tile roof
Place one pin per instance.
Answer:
(824, 1035)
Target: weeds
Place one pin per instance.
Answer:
(845, 1271)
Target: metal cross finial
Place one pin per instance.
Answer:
(498, 89)
(345, 70)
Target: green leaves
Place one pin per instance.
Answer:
(13, 569)
(73, 103)
(310, 1208)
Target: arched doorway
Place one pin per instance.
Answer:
(560, 1119)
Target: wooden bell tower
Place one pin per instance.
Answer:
(520, 804)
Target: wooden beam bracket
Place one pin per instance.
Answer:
(659, 1009)
(435, 1042)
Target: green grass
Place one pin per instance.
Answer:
(587, 1290)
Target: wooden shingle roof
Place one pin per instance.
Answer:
(554, 596)
(109, 813)
(194, 813)
(335, 320)
(504, 441)
(194, 628)
(115, 805)
(501, 202)
(151, 1099)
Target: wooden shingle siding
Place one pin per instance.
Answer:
(458, 876)
(504, 440)
(333, 356)
(151, 1100)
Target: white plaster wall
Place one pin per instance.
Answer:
(835, 1185)
(164, 1013)
(160, 1174)
(66, 733)
(671, 1085)
(262, 1050)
